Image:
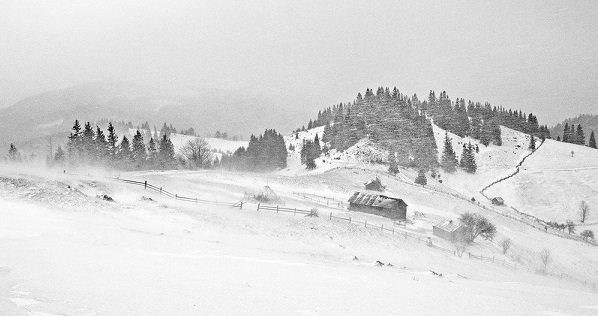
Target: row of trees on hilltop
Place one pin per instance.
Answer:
(87, 145)
(263, 153)
(389, 120)
(402, 124)
(574, 135)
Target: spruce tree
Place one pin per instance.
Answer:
(532, 143)
(59, 156)
(580, 137)
(101, 145)
(152, 153)
(74, 142)
(13, 153)
(124, 152)
(166, 155)
(393, 168)
(112, 139)
(592, 140)
(138, 150)
(448, 160)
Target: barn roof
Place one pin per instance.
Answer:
(373, 199)
(449, 226)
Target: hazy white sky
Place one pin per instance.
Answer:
(540, 56)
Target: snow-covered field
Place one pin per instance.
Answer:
(553, 181)
(66, 252)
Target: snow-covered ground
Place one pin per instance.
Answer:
(553, 181)
(66, 252)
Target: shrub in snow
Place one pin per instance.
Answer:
(421, 178)
(477, 225)
(587, 234)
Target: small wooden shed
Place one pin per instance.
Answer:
(449, 230)
(378, 204)
(498, 201)
(374, 185)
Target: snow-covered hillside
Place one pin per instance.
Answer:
(553, 181)
(146, 254)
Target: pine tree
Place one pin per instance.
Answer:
(87, 142)
(592, 140)
(166, 155)
(421, 178)
(468, 159)
(566, 133)
(124, 152)
(101, 145)
(393, 168)
(580, 137)
(13, 153)
(448, 160)
(152, 153)
(138, 150)
(59, 156)
(532, 143)
(111, 147)
(74, 142)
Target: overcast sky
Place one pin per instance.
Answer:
(540, 56)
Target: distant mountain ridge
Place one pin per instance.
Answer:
(589, 123)
(206, 110)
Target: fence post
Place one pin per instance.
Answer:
(241, 205)
(176, 196)
(276, 209)
(469, 253)
(326, 203)
(160, 190)
(330, 216)
(366, 223)
(145, 184)
(295, 212)
(349, 219)
(258, 206)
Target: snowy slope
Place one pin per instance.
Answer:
(552, 182)
(170, 257)
(493, 161)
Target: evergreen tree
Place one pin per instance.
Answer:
(448, 160)
(580, 137)
(101, 145)
(532, 143)
(138, 150)
(317, 148)
(13, 153)
(166, 155)
(421, 178)
(592, 140)
(87, 142)
(74, 142)
(111, 147)
(393, 168)
(59, 157)
(125, 156)
(152, 153)
(468, 162)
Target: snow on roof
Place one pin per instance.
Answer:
(449, 226)
(373, 199)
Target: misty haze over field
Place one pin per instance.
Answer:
(536, 55)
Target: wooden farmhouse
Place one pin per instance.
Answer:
(448, 230)
(378, 204)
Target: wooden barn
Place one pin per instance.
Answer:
(498, 201)
(374, 185)
(448, 230)
(378, 204)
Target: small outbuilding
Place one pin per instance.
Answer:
(378, 204)
(375, 185)
(498, 201)
(448, 230)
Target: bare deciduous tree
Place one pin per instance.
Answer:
(505, 244)
(545, 257)
(197, 152)
(584, 210)
(477, 225)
